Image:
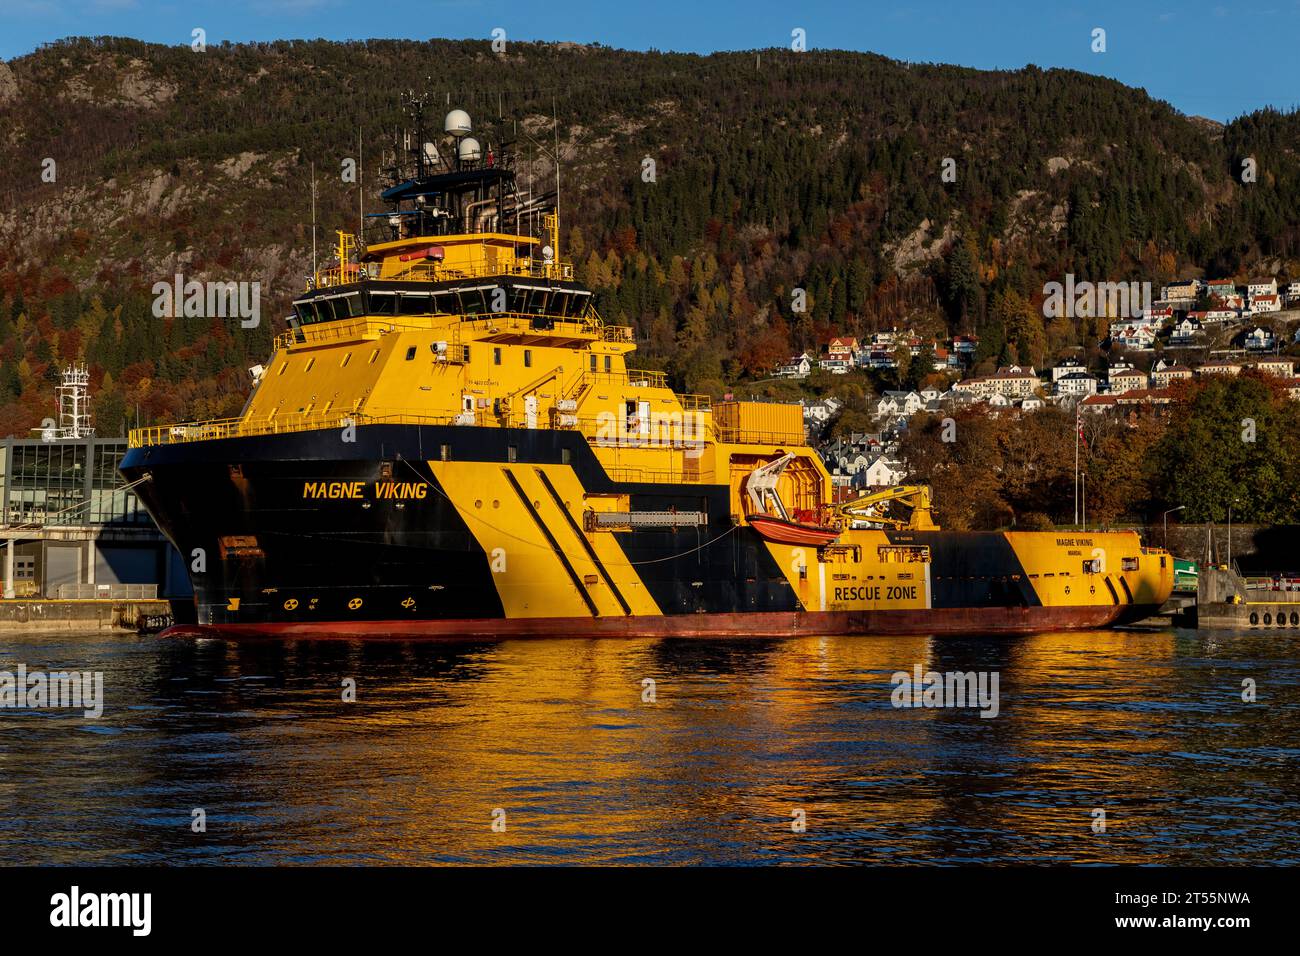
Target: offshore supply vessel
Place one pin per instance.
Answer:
(449, 441)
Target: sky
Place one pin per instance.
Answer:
(1215, 59)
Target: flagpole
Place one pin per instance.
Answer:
(1076, 462)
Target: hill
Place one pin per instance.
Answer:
(774, 170)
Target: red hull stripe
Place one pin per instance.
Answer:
(994, 620)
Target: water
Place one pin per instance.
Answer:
(1149, 725)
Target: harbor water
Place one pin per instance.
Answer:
(1121, 747)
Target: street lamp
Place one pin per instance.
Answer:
(1166, 519)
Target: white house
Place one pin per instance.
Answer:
(899, 403)
(882, 472)
(1067, 367)
(1261, 286)
(1076, 383)
(1187, 331)
(1140, 338)
(797, 366)
(1266, 303)
(1258, 339)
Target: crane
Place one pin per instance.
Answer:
(871, 507)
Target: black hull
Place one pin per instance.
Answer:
(265, 557)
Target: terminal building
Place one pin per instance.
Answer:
(69, 526)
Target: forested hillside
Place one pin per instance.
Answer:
(774, 170)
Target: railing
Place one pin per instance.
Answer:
(280, 424)
(434, 272)
(647, 475)
(108, 592)
(343, 331)
(661, 429)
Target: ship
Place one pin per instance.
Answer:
(449, 441)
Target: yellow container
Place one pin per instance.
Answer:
(759, 423)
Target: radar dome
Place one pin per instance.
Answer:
(469, 150)
(457, 123)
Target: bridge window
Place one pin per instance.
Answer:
(410, 354)
(415, 304)
(383, 303)
(528, 358)
(496, 356)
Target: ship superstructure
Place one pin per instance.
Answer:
(449, 440)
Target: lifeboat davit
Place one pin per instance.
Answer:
(792, 532)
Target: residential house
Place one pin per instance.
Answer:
(1258, 339)
(881, 473)
(1140, 338)
(899, 403)
(1144, 396)
(1184, 290)
(1261, 286)
(1219, 367)
(1164, 377)
(797, 366)
(1281, 367)
(1099, 403)
(1067, 367)
(819, 411)
(840, 356)
(1127, 380)
(1220, 288)
(1077, 383)
(878, 358)
(1187, 331)
(1266, 303)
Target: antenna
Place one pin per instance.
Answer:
(313, 220)
(361, 191)
(555, 126)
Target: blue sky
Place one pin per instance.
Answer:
(1217, 59)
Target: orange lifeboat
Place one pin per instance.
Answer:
(783, 531)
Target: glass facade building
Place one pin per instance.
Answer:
(66, 483)
(70, 529)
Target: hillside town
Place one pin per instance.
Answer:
(1196, 328)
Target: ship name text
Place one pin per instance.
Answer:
(382, 490)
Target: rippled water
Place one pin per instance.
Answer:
(1149, 725)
